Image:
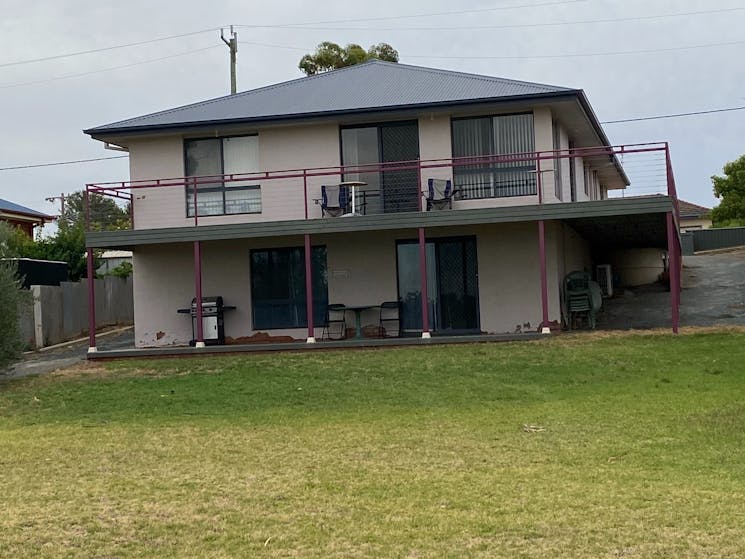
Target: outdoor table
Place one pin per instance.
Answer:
(353, 186)
(358, 310)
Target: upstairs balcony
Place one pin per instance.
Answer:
(588, 174)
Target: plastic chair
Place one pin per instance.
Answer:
(580, 299)
(335, 319)
(440, 194)
(335, 200)
(390, 316)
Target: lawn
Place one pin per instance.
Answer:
(579, 446)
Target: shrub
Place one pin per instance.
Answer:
(11, 299)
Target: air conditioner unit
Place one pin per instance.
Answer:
(605, 279)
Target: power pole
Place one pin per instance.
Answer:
(61, 198)
(233, 46)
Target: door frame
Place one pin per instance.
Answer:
(434, 241)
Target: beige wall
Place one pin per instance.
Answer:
(573, 251)
(361, 271)
(693, 224)
(639, 266)
(279, 149)
(307, 146)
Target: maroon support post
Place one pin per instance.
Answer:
(91, 279)
(544, 282)
(91, 302)
(673, 270)
(199, 342)
(309, 291)
(423, 272)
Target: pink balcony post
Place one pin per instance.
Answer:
(423, 272)
(545, 329)
(539, 178)
(423, 261)
(199, 342)
(673, 270)
(309, 290)
(90, 275)
(305, 191)
(131, 210)
(674, 262)
(91, 302)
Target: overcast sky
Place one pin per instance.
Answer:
(43, 110)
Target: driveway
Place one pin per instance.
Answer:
(66, 355)
(713, 295)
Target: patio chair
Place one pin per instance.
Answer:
(440, 194)
(335, 200)
(580, 299)
(390, 319)
(334, 323)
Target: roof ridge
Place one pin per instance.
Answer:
(477, 76)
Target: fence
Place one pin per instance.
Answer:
(60, 313)
(712, 239)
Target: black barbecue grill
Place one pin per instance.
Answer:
(213, 320)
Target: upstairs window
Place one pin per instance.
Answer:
(494, 135)
(214, 157)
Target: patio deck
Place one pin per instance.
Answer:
(353, 343)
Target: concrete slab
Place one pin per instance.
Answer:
(713, 295)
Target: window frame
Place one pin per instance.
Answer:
(222, 188)
(490, 168)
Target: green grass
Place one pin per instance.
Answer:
(415, 452)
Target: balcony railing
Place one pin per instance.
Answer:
(480, 181)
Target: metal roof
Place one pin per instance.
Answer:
(374, 85)
(11, 207)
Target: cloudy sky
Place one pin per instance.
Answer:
(690, 60)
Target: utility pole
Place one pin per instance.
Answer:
(61, 198)
(233, 46)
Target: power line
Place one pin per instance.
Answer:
(431, 14)
(69, 76)
(34, 166)
(528, 56)
(511, 26)
(579, 54)
(103, 49)
(676, 115)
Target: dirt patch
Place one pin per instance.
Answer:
(259, 338)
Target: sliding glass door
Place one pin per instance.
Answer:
(387, 191)
(452, 285)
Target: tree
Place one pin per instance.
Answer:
(105, 214)
(730, 188)
(67, 245)
(330, 56)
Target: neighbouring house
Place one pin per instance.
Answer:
(22, 217)
(694, 217)
(112, 259)
(463, 199)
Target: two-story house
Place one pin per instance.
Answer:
(228, 199)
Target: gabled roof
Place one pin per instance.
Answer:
(374, 85)
(13, 208)
(690, 210)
